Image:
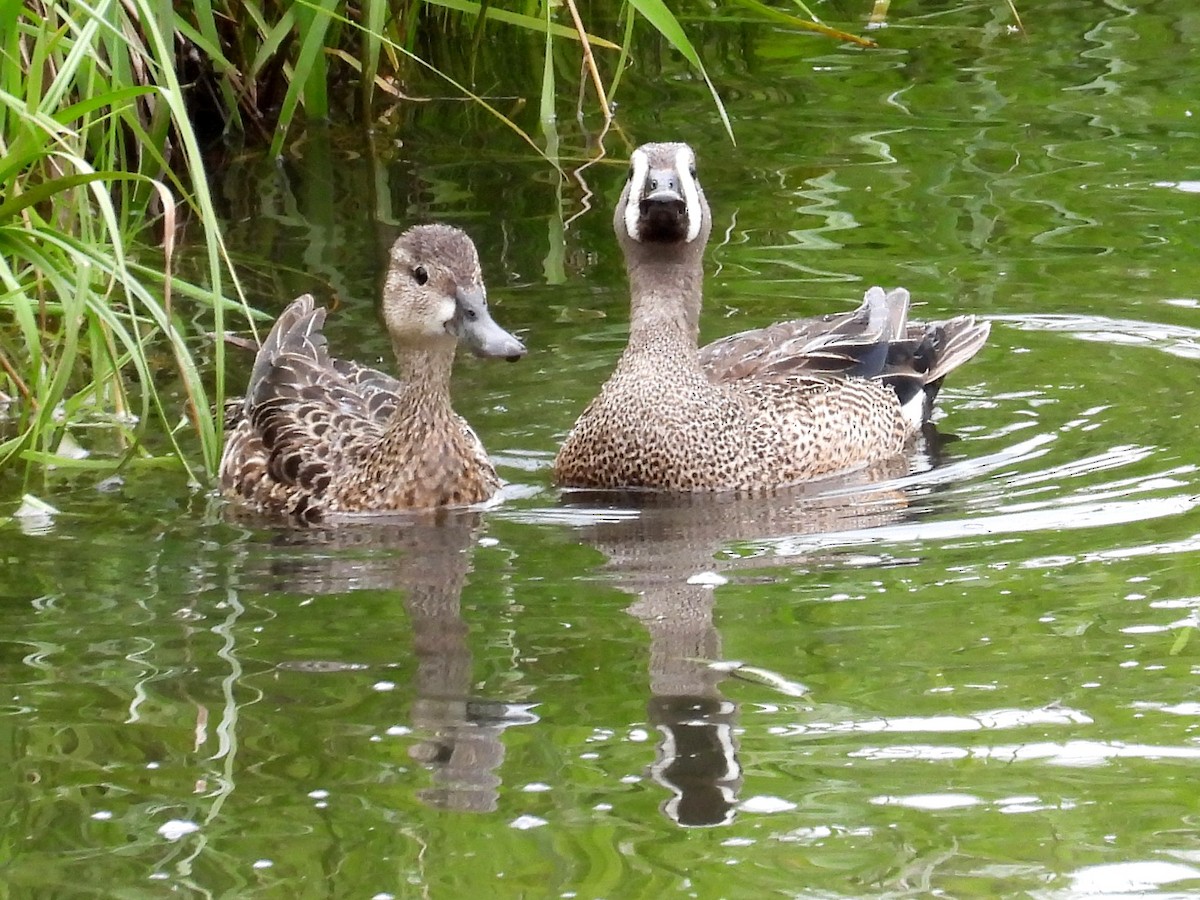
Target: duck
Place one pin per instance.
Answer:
(316, 436)
(756, 411)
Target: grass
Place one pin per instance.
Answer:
(108, 345)
(99, 166)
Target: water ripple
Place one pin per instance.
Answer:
(1177, 340)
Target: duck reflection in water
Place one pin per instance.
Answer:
(427, 558)
(661, 554)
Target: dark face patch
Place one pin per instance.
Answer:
(662, 221)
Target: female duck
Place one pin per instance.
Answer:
(784, 404)
(317, 435)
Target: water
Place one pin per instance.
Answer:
(978, 679)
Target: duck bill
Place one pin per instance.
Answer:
(663, 217)
(474, 326)
(663, 206)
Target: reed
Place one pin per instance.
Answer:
(100, 168)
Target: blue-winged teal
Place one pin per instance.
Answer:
(317, 435)
(776, 406)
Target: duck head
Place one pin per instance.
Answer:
(434, 292)
(663, 204)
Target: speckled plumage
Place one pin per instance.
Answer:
(317, 435)
(776, 406)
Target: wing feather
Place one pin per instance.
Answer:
(876, 341)
(305, 416)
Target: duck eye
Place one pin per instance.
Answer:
(420, 275)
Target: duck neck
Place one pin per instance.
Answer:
(666, 294)
(424, 394)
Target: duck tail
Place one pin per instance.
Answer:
(894, 304)
(296, 332)
(920, 356)
(954, 343)
(921, 363)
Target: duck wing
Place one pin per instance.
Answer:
(875, 341)
(378, 390)
(840, 344)
(305, 414)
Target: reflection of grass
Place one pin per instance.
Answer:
(103, 110)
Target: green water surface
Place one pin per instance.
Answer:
(979, 679)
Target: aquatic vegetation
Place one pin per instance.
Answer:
(100, 170)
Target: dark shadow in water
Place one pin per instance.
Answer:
(427, 559)
(665, 556)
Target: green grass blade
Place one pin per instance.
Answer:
(376, 18)
(466, 92)
(531, 23)
(39, 193)
(623, 59)
(546, 105)
(85, 464)
(208, 425)
(309, 70)
(656, 13)
(809, 24)
(272, 39)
